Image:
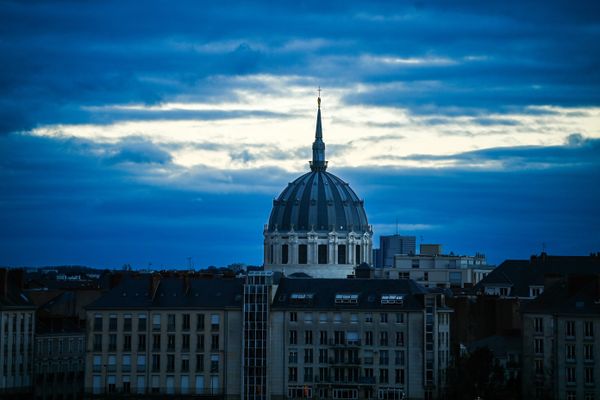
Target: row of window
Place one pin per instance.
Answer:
(338, 318)
(347, 375)
(344, 356)
(184, 321)
(159, 342)
(201, 386)
(10, 322)
(125, 363)
(570, 328)
(322, 254)
(59, 346)
(348, 338)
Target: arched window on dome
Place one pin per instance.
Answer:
(284, 253)
(302, 254)
(322, 254)
(341, 254)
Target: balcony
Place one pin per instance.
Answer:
(344, 343)
(345, 361)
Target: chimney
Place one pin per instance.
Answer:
(154, 282)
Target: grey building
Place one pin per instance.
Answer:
(358, 339)
(391, 245)
(561, 341)
(166, 336)
(17, 329)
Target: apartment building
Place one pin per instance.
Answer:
(17, 327)
(561, 341)
(357, 339)
(166, 336)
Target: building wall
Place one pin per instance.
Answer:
(59, 365)
(210, 364)
(569, 371)
(17, 327)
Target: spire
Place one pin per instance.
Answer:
(318, 162)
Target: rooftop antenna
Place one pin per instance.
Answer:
(396, 226)
(543, 247)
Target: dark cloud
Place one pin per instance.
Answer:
(59, 58)
(69, 201)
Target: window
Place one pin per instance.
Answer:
(293, 316)
(323, 337)
(368, 318)
(97, 344)
(354, 318)
(185, 322)
(97, 323)
(588, 329)
(142, 322)
(308, 356)
(155, 362)
(369, 338)
(400, 376)
(308, 374)
(383, 375)
(570, 329)
(185, 342)
(126, 383)
(97, 363)
(199, 384)
(155, 342)
(141, 363)
(156, 322)
(399, 338)
(570, 372)
(322, 253)
(112, 322)
(570, 352)
(200, 363)
(112, 363)
(284, 254)
(341, 253)
(308, 337)
(214, 342)
(112, 342)
(141, 342)
(170, 362)
(538, 346)
(200, 322)
(538, 325)
(383, 338)
(323, 318)
(293, 374)
(588, 352)
(127, 323)
(399, 318)
(293, 336)
(170, 322)
(199, 343)
(539, 366)
(337, 318)
(384, 358)
(127, 343)
(214, 363)
(383, 318)
(357, 254)
(425, 276)
(589, 375)
(302, 254)
(293, 357)
(215, 322)
(323, 359)
(308, 318)
(126, 363)
(399, 358)
(170, 342)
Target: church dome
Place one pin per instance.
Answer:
(318, 201)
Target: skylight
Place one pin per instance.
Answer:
(349, 298)
(392, 298)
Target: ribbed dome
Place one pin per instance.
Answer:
(321, 201)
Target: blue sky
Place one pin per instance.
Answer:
(150, 133)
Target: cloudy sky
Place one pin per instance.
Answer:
(150, 132)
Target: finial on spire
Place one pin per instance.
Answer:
(318, 162)
(319, 98)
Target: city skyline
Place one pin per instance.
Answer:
(147, 136)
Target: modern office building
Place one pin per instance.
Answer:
(318, 225)
(391, 245)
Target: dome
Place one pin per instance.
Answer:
(318, 201)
